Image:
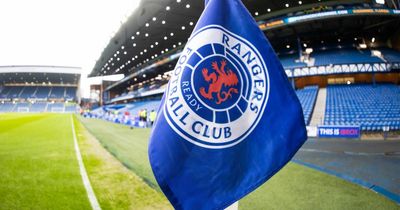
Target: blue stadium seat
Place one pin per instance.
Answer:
(28, 92)
(22, 107)
(289, 61)
(55, 107)
(370, 107)
(390, 55)
(4, 92)
(7, 107)
(42, 92)
(70, 108)
(57, 92)
(307, 97)
(149, 105)
(11, 92)
(35, 98)
(70, 93)
(38, 107)
(14, 92)
(343, 56)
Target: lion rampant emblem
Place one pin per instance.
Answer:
(219, 79)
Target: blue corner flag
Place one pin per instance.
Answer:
(229, 119)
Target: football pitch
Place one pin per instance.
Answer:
(39, 170)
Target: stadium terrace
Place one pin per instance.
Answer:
(317, 58)
(39, 88)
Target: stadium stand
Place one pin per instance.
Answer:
(390, 55)
(291, 61)
(14, 92)
(38, 92)
(22, 107)
(35, 98)
(28, 92)
(55, 107)
(7, 107)
(57, 92)
(70, 108)
(150, 88)
(311, 54)
(42, 92)
(365, 105)
(70, 93)
(307, 97)
(333, 55)
(125, 113)
(4, 92)
(371, 107)
(344, 56)
(149, 105)
(38, 107)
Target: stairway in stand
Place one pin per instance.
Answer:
(319, 108)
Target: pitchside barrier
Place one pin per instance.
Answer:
(57, 109)
(23, 109)
(332, 131)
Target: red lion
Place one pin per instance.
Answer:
(218, 80)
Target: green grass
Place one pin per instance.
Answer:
(115, 186)
(299, 187)
(39, 169)
(127, 145)
(38, 166)
(294, 187)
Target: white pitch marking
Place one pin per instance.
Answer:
(89, 190)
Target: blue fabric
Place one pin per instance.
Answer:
(195, 177)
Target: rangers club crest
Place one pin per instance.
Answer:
(219, 79)
(218, 90)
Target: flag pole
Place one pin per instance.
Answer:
(234, 206)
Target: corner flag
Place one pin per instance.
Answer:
(229, 119)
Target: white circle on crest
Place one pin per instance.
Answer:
(194, 128)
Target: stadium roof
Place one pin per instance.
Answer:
(159, 26)
(40, 69)
(39, 75)
(336, 30)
